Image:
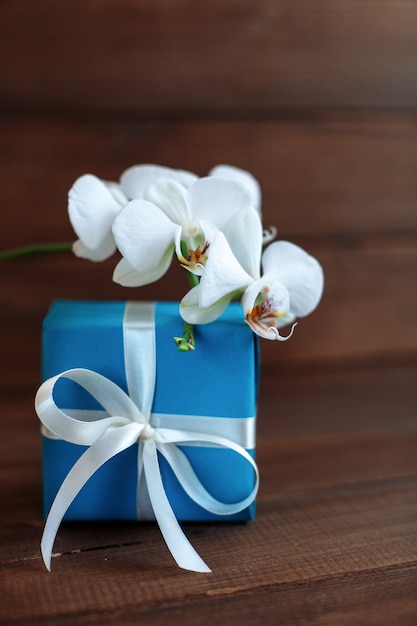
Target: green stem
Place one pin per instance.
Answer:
(193, 280)
(37, 248)
(186, 342)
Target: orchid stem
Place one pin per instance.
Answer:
(186, 342)
(33, 249)
(193, 280)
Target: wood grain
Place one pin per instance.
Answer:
(171, 57)
(355, 211)
(332, 174)
(367, 312)
(335, 511)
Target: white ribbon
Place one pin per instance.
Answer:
(123, 425)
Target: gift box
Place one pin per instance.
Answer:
(209, 393)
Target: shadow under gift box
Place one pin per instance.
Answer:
(217, 381)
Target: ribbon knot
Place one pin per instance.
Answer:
(123, 425)
(147, 432)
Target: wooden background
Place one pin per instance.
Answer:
(318, 100)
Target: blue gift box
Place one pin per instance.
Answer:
(214, 385)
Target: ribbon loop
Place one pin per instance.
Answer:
(119, 407)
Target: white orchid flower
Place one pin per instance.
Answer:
(172, 218)
(93, 205)
(291, 287)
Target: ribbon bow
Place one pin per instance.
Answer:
(124, 425)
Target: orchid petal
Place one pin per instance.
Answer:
(116, 192)
(192, 313)
(229, 172)
(223, 274)
(127, 276)
(301, 273)
(135, 179)
(270, 332)
(170, 197)
(216, 200)
(144, 236)
(284, 320)
(244, 234)
(106, 249)
(92, 208)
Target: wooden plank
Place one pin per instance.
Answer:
(328, 544)
(336, 405)
(334, 540)
(333, 174)
(367, 311)
(373, 598)
(345, 531)
(347, 417)
(184, 56)
(347, 398)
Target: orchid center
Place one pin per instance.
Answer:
(266, 308)
(264, 315)
(195, 259)
(194, 248)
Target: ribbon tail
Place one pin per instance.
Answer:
(104, 448)
(144, 509)
(178, 544)
(191, 484)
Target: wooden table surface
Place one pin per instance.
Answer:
(318, 100)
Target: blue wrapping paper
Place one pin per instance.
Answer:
(217, 380)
